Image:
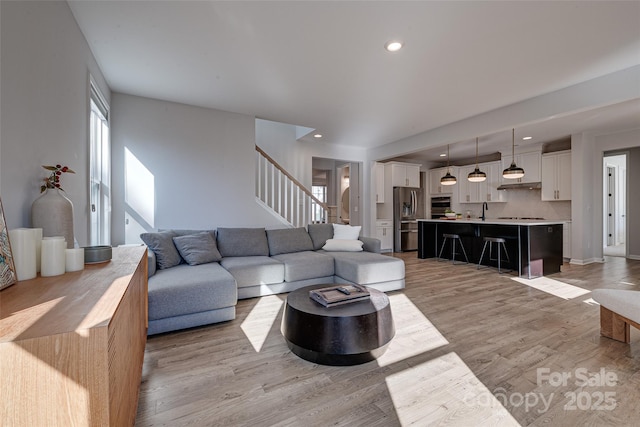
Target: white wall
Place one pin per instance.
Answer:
(278, 140)
(202, 162)
(633, 203)
(0, 103)
(44, 107)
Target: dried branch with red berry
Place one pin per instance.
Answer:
(53, 180)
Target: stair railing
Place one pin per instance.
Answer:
(284, 196)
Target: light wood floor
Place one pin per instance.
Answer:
(466, 340)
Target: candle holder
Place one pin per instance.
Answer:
(53, 256)
(74, 259)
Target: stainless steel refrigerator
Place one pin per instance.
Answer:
(408, 206)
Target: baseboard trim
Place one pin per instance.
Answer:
(585, 261)
(636, 257)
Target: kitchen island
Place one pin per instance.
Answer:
(534, 246)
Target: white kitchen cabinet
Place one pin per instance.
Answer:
(384, 233)
(463, 187)
(405, 174)
(530, 162)
(485, 191)
(378, 172)
(494, 180)
(556, 176)
(434, 181)
(566, 240)
(471, 192)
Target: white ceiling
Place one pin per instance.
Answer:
(322, 64)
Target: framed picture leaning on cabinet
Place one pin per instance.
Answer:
(7, 268)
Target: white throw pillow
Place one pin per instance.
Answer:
(346, 232)
(342, 245)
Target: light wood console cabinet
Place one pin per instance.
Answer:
(72, 346)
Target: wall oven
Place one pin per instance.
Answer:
(439, 205)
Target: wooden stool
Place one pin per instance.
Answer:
(491, 240)
(453, 237)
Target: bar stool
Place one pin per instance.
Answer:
(498, 241)
(453, 238)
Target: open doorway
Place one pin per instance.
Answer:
(615, 204)
(340, 180)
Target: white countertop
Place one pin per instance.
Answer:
(499, 221)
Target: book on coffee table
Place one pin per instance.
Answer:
(339, 294)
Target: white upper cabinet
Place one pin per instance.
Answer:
(378, 172)
(434, 181)
(556, 176)
(471, 192)
(405, 174)
(494, 180)
(485, 191)
(530, 162)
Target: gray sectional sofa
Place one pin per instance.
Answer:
(196, 277)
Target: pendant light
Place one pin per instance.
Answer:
(448, 179)
(513, 171)
(477, 175)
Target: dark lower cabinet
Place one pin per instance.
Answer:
(533, 250)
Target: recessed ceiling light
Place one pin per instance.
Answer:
(317, 135)
(443, 155)
(393, 46)
(526, 138)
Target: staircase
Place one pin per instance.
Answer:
(284, 196)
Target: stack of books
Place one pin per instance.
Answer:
(339, 294)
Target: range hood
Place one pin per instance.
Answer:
(521, 186)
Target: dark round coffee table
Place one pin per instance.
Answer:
(348, 334)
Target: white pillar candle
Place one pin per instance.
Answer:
(53, 256)
(74, 259)
(23, 249)
(37, 233)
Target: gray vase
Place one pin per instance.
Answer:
(53, 212)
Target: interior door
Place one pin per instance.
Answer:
(611, 205)
(622, 208)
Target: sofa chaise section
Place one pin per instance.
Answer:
(381, 272)
(367, 267)
(208, 296)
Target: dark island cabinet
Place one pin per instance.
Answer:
(534, 247)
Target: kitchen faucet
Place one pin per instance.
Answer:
(484, 206)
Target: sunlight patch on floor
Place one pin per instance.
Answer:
(553, 287)
(415, 334)
(444, 391)
(260, 320)
(590, 301)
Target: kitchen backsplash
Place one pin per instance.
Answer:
(523, 203)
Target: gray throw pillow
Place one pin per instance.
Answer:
(287, 240)
(242, 242)
(197, 248)
(161, 244)
(320, 233)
